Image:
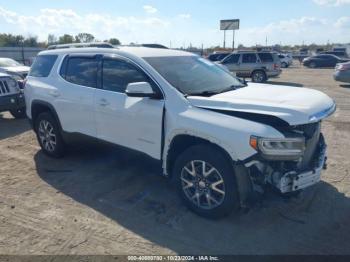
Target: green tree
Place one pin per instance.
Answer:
(31, 41)
(65, 39)
(114, 41)
(84, 38)
(51, 39)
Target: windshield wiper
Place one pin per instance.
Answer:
(203, 93)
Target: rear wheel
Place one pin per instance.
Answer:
(284, 64)
(49, 135)
(205, 180)
(19, 113)
(259, 76)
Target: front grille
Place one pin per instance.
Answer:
(4, 88)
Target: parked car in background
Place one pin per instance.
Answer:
(258, 66)
(342, 72)
(11, 96)
(218, 56)
(340, 54)
(286, 60)
(15, 69)
(323, 61)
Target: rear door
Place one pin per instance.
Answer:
(133, 122)
(249, 63)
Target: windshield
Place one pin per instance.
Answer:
(7, 62)
(193, 75)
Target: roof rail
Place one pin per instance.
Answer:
(81, 45)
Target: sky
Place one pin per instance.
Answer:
(180, 23)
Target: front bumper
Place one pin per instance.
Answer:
(11, 102)
(288, 176)
(294, 181)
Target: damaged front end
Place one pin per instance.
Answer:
(290, 164)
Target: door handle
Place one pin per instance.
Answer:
(54, 93)
(103, 102)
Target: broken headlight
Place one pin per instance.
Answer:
(279, 148)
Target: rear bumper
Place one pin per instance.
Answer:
(273, 73)
(11, 102)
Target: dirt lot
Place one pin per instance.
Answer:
(103, 200)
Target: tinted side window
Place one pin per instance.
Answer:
(249, 58)
(42, 65)
(118, 74)
(267, 57)
(233, 59)
(82, 71)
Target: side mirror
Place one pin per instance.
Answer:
(140, 89)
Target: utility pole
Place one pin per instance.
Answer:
(224, 39)
(233, 41)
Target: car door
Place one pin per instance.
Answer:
(75, 96)
(248, 64)
(327, 61)
(133, 122)
(232, 63)
(333, 60)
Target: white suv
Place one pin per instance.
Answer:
(218, 139)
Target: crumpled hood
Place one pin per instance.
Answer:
(292, 104)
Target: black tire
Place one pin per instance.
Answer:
(312, 65)
(259, 76)
(19, 113)
(214, 158)
(57, 149)
(284, 65)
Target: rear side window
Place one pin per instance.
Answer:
(118, 74)
(82, 71)
(42, 65)
(267, 57)
(233, 59)
(249, 58)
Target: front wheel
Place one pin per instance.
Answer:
(205, 180)
(259, 76)
(19, 113)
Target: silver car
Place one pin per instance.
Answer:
(342, 72)
(258, 66)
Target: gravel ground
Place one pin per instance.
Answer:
(104, 200)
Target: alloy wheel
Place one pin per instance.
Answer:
(258, 77)
(47, 135)
(203, 184)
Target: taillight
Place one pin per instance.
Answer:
(276, 66)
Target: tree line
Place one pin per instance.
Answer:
(10, 40)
